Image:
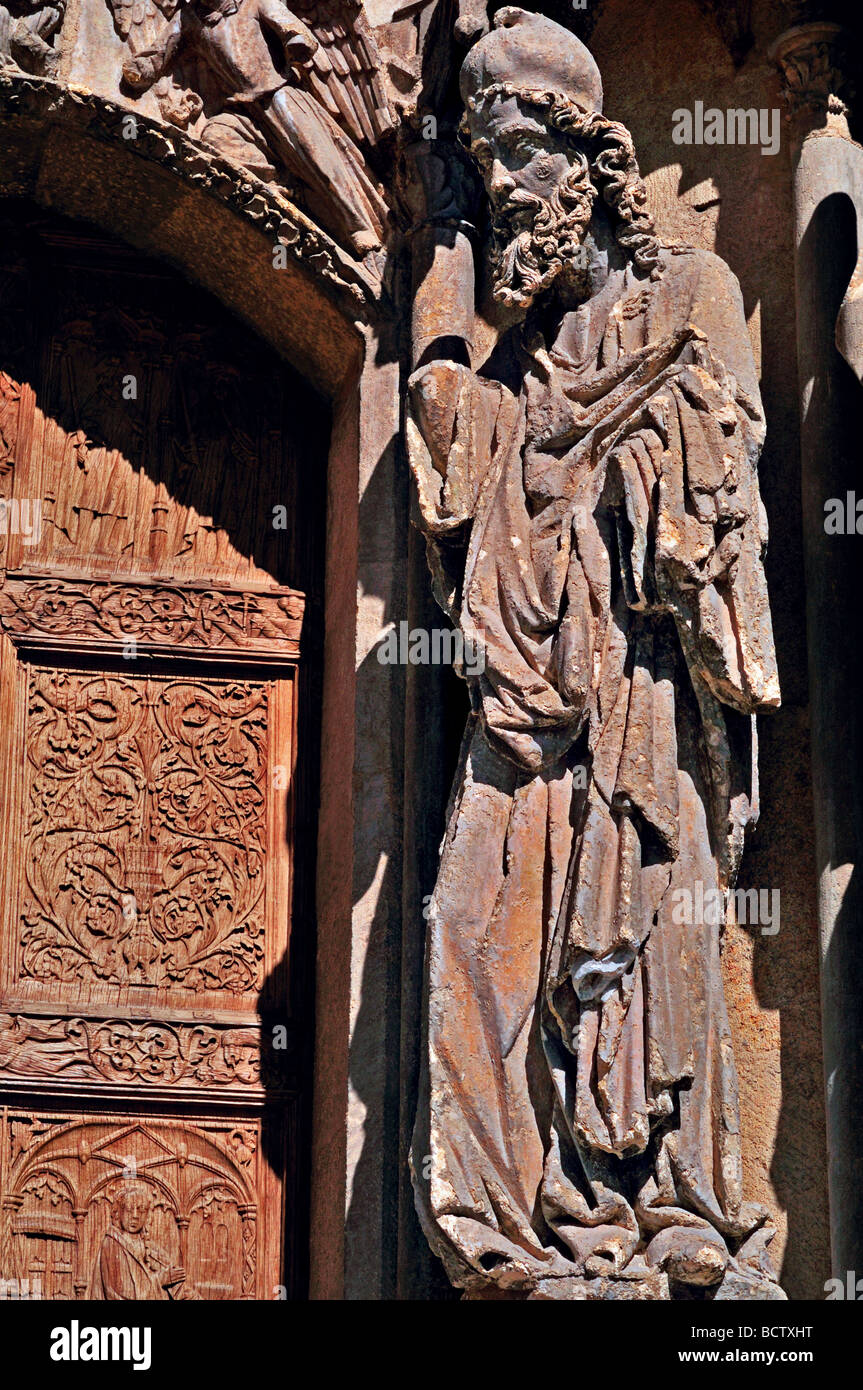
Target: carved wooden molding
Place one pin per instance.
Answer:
(194, 1057)
(74, 616)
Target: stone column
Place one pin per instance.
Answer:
(827, 167)
(441, 319)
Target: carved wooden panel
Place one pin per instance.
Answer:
(146, 854)
(153, 659)
(138, 1207)
(116, 510)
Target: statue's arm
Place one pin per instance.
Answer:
(297, 38)
(734, 627)
(142, 70)
(456, 420)
(703, 523)
(716, 308)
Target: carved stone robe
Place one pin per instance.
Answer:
(599, 536)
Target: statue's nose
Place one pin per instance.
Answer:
(501, 180)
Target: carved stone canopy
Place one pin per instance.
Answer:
(814, 61)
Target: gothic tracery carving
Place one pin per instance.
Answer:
(131, 1209)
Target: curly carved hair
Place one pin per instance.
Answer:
(611, 155)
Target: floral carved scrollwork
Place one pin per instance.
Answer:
(146, 831)
(151, 616)
(122, 1050)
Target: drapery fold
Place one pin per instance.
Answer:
(599, 538)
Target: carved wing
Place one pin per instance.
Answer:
(345, 74)
(140, 22)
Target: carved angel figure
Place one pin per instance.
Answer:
(591, 503)
(275, 96)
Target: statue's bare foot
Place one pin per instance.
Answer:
(689, 1255)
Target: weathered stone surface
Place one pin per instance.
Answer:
(741, 1286)
(595, 529)
(653, 1287)
(186, 129)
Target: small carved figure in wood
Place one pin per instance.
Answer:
(590, 497)
(126, 1208)
(129, 1265)
(266, 88)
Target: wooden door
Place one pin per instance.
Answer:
(157, 746)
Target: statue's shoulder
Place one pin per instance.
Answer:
(695, 265)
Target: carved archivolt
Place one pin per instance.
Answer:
(260, 203)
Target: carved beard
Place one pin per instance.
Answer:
(527, 260)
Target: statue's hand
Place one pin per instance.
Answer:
(142, 71)
(595, 977)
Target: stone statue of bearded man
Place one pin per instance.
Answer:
(591, 503)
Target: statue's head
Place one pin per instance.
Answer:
(131, 1207)
(534, 124)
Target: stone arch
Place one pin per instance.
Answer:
(171, 198)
